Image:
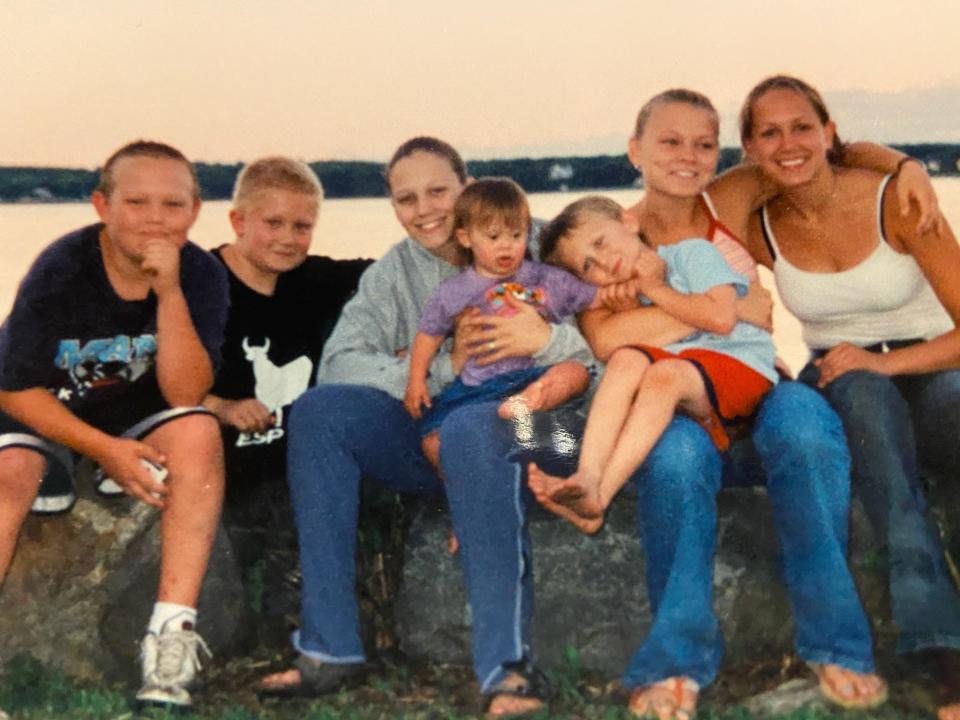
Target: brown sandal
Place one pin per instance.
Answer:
(524, 682)
(316, 679)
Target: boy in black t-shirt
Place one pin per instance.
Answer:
(110, 347)
(283, 305)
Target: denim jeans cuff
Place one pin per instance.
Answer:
(635, 680)
(916, 643)
(832, 657)
(322, 656)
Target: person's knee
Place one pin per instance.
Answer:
(666, 378)
(311, 405)
(866, 398)
(627, 361)
(21, 471)
(684, 455)
(201, 428)
(795, 415)
(801, 442)
(195, 437)
(466, 424)
(337, 408)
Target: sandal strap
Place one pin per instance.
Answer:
(535, 683)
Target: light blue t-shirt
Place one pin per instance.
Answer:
(694, 266)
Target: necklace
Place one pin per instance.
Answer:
(814, 209)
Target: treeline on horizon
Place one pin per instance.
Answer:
(355, 179)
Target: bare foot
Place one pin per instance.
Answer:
(530, 400)
(949, 712)
(280, 681)
(579, 495)
(850, 689)
(509, 700)
(543, 486)
(674, 698)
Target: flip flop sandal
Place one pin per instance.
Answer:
(533, 685)
(831, 692)
(316, 679)
(681, 690)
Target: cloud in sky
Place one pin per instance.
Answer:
(325, 79)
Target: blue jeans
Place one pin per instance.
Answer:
(799, 448)
(338, 434)
(896, 428)
(342, 432)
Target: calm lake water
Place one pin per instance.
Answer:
(347, 228)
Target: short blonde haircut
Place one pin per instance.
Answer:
(275, 173)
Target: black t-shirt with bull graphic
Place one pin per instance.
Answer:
(272, 348)
(71, 333)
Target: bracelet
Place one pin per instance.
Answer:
(904, 160)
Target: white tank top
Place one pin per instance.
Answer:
(884, 297)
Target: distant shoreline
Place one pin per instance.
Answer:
(362, 179)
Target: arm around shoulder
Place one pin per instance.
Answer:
(938, 255)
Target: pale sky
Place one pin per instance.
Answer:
(229, 80)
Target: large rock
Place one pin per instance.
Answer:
(81, 587)
(591, 594)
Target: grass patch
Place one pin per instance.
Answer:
(28, 691)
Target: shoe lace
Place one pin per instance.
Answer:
(178, 655)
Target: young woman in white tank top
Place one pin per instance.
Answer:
(880, 303)
(675, 145)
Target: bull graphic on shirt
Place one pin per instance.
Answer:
(276, 386)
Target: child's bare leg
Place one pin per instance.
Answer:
(610, 409)
(191, 512)
(580, 492)
(667, 386)
(557, 385)
(21, 471)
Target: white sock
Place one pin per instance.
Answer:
(171, 616)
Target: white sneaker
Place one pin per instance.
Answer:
(170, 663)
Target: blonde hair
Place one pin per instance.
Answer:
(674, 95)
(275, 173)
(554, 232)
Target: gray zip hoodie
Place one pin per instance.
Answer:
(382, 319)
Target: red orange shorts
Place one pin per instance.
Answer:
(735, 390)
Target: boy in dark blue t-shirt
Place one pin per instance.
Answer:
(109, 349)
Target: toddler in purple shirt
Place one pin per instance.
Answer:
(492, 219)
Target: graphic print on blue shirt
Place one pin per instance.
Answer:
(103, 361)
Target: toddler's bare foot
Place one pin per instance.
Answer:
(530, 400)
